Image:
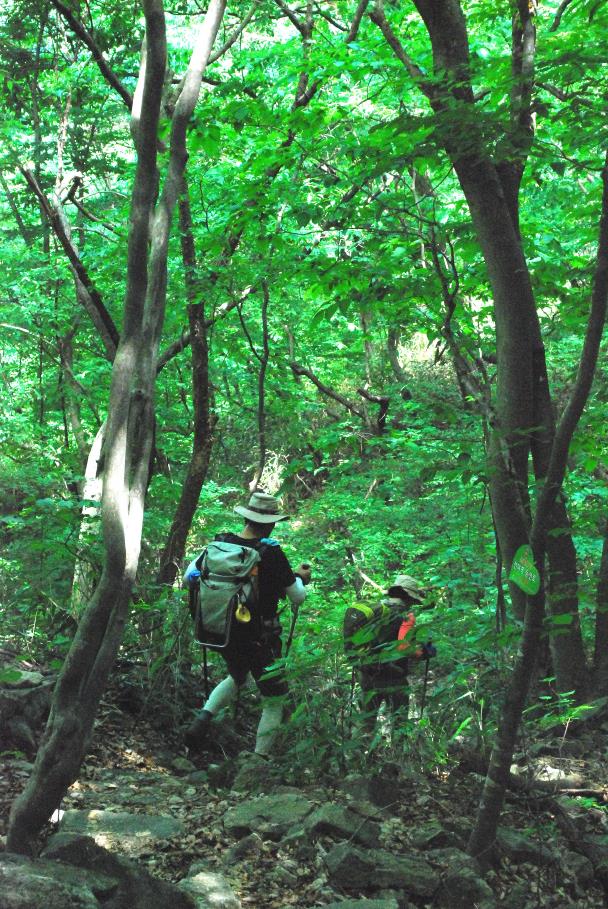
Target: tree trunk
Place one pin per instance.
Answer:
(202, 442)
(600, 658)
(84, 580)
(129, 435)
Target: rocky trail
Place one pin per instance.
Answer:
(154, 826)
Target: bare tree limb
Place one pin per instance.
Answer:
(87, 38)
(176, 348)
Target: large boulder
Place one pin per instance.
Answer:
(269, 815)
(209, 890)
(127, 833)
(132, 887)
(375, 869)
(342, 823)
(79, 874)
(464, 888)
(25, 698)
(39, 884)
(521, 848)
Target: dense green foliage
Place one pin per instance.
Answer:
(348, 209)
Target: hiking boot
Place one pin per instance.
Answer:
(196, 734)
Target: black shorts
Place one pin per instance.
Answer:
(244, 656)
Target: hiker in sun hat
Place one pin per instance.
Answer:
(380, 641)
(254, 640)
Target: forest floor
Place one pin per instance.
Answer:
(132, 767)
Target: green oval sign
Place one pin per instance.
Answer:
(524, 572)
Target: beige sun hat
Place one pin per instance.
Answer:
(261, 508)
(405, 583)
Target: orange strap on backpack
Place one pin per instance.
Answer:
(404, 629)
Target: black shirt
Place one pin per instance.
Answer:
(275, 572)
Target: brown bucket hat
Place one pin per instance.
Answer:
(261, 508)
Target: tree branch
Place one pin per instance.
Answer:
(328, 392)
(378, 18)
(176, 348)
(233, 38)
(584, 379)
(89, 295)
(85, 36)
(357, 18)
(560, 12)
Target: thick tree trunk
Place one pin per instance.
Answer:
(129, 435)
(517, 334)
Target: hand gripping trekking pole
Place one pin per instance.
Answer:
(294, 617)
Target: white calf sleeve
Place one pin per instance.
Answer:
(269, 724)
(222, 695)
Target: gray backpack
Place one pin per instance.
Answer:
(224, 592)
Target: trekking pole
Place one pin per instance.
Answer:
(351, 701)
(426, 677)
(206, 673)
(294, 619)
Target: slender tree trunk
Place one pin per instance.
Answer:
(202, 442)
(600, 658)
(263, 358)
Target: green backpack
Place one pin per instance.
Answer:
(224, 591)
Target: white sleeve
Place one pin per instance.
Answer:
(296, 592)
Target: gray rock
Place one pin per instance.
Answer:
(434, 836)
(378, 790)
(134, 887)
(389, 903)
(253, 774)
(453, 859)
(249, 847)
(268, 815)
(22, 711)
(127, 833)
(182, 766)
(209, 890)
(518, 897)
(354, 869)
(40, 884)
(198, 777)
(21, 678)
(596, 848)
(520, 848)
(341, 822)
(464, 889)
(579, 867)
(79, 874)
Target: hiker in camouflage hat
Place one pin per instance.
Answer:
(380, 641)
(254, 646)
